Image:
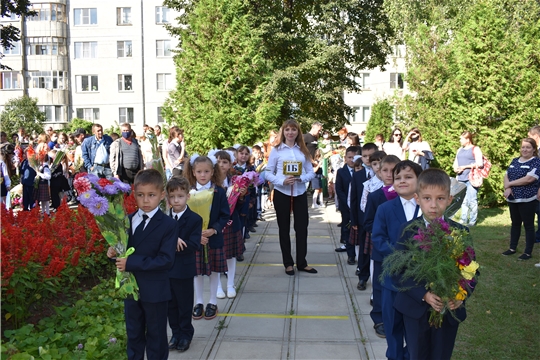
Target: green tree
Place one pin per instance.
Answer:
(22, 112)
(381, 120)
(77, 123)
(10, 33)
(220, 98)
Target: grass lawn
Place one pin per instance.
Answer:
(503, 319)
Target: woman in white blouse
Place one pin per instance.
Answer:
(289, 169)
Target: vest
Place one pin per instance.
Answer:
(129, 155)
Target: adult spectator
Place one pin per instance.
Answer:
(534, 133)
(394, 145)
(126, 156)
(159, 135)
(379, 141)
(21, 134)
(416, 146)
(352, 139)
(79, 135)
(3, 137)
(311, 138)
(468, 157)
(176, 150)
(521, 192)
(146, 146)
(343, 137)
(96, 153)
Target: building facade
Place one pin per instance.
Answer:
(104, 61)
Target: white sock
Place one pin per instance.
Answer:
(320, 197)
(45, 206)
(315, 195)
(219, 287)
(357, 250)
(198, 284)
(231, 266)
(371, 266)
(214, 279)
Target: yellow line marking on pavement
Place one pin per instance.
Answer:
(277, 316)
(249, 264)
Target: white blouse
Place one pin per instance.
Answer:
(274, 169)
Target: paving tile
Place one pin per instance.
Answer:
(249, 350)
(322, 330)
(255, 328)
(327, 350)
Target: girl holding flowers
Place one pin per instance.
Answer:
(209, 200)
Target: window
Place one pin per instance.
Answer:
(48, 80)
(10, 80)
(86, 83)
(364, 81)
(396, 81)
(123, 16)
(123, 48)
(125, 115)
(162, 15)
(86, 50)
(159, 115)
(163, 47)
(90, 114)
(164, 81)
(48, 12)
(46, 46)
(396, 50)
(85, 16)
(360, 114)
(15, 50)
(124, 83)
(52, 112)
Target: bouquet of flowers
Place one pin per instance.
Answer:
(35, 160)
(60, 154)
(105, 200)
(200, 202)
(439, 256)
(240, 182)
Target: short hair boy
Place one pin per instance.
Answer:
(153, 235)
(184, 268)
(387, 226)
(423, 341)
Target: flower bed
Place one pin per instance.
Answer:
(43, 255)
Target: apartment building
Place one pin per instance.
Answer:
(111, 62)
(104, 61)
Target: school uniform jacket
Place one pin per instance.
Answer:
(155, 248)
(219, 217)
(189, 229)
(374, 200)
(410, 302)
(343, 179)
(357, 188)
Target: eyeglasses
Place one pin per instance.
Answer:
(397, 134)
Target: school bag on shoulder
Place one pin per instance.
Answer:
(484, 171)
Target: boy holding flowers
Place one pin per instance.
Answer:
(435, 262)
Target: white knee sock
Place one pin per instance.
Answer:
(214, 279)
(320, 197)
(371, 266)
(357, 250)
(45, 207)
(219, 287)
(231, 266)
(315, 198)
(198, 284)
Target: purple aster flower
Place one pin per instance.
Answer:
(98, 206)
(112, 340)
(122, 186)
(92, 178)
(80, 346)
(86, 197)
(110, 190)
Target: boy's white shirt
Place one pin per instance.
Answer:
(370, 186)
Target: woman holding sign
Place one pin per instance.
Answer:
(289, 168)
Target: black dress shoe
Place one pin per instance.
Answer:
(379, 330)
(252, 229)
(340, 249)
(361, 285)
(210, 312)
(289, 272)
(240, 258)
(357, 272)
(311, 271)
(260, 218)
(338, 225)
(173, 343)
(247, 236)
(183, 345)
(198, 312)
(351, 260)
(255, 225)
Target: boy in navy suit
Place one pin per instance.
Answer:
(387, 225)
(423, 341)
(154, 237)
(357, 215)
(343, 179)
(184, 269)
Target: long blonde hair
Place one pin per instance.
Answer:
(299, 138)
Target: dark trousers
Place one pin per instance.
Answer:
(28, 197)
(180, 307)
(523, 213)
(282, 206)
(128, 176)
(393, 326)
(146, 327)
(376, 311)
(538, 221)
(55, 196)
(427, 343)
(363, 259)
(346, 231)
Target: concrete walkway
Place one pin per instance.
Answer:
(276, 316)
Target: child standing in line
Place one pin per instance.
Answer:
(390, 216)
(233, 239)
(43, 194)
(184, 269)
(375, 182)
(154, 236)
(202, 173)
(424, 341)
(316, 182)
(258, 163)
(243, 154)
(28, 175)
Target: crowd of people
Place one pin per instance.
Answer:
(378, 188)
